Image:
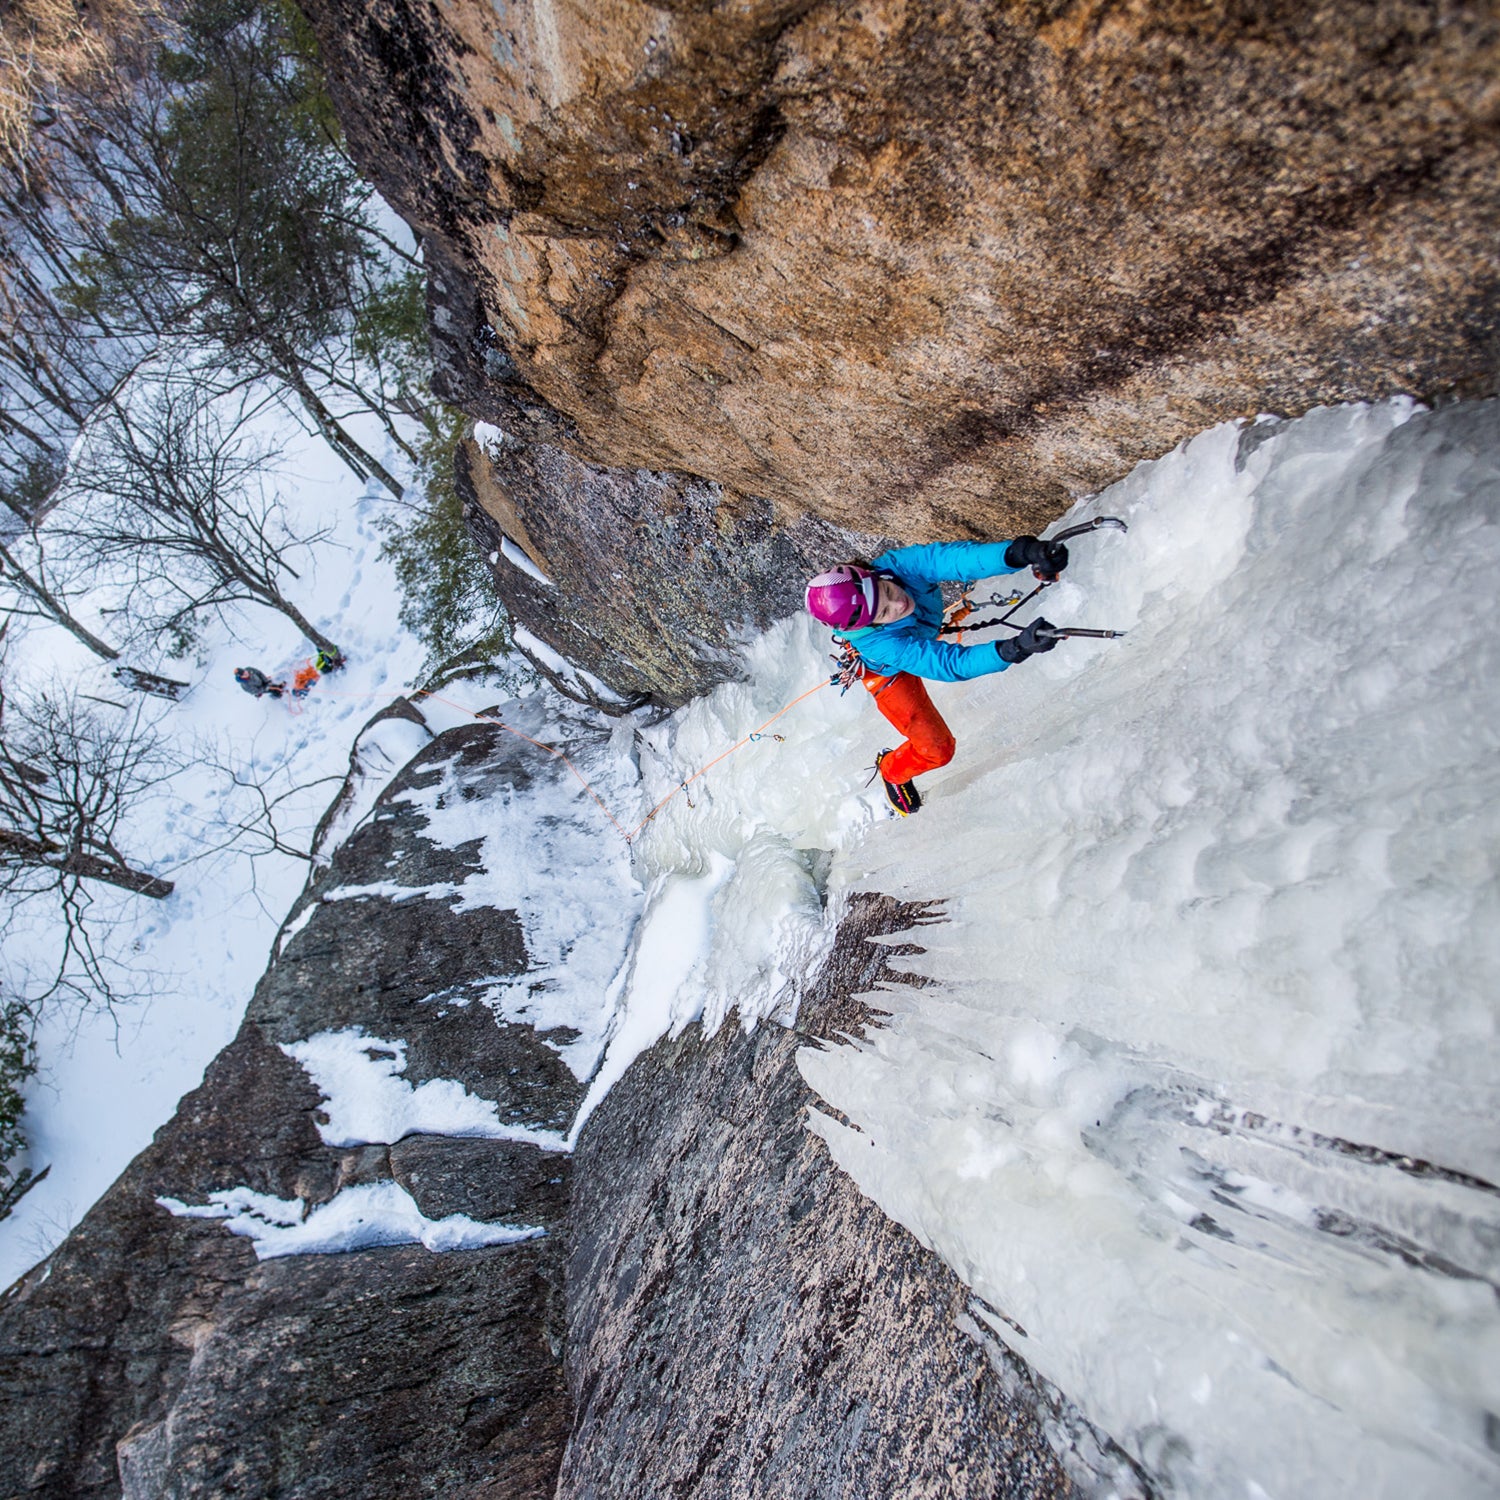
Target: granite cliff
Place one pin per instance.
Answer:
(749, 285)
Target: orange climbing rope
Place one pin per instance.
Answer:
(628, 835)
(754, 734)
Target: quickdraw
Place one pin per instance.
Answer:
(965, 606)
(958, 618)
(850, 667)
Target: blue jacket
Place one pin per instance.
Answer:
(913, 645)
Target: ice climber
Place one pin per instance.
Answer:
(890, 612)
(255, 682)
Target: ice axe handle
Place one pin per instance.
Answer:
(1064, 632)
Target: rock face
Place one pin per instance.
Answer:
(154, 1356)
(738, 1320)
(742, 1322)
(678, 568)
(909, 267)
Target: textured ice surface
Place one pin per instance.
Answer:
(1204, 1095)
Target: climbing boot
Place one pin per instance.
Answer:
(903, 796)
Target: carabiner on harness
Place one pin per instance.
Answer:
(850, 666)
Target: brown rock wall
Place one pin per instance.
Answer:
(932, 267)
(921, 256)
(656, 576)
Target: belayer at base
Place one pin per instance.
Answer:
(890, 612)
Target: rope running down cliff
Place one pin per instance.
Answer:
(628, 835)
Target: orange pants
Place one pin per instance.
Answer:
(929, 742)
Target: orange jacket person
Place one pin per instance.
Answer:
(891, 612)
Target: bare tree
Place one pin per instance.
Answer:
(253, 817)
(173, 494)
(60, 355)
(25, 580)
(68, 778)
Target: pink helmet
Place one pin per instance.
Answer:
(843, 597)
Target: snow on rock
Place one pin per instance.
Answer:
(539, 651)
(517, 558)
(548, 853)
(379, 752)
(357, 1218)
(366, 1100)
(389, 890)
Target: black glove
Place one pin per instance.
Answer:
(1036, 637)
(1045, 559)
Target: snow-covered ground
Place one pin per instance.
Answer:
(107, 1082)
(1200, 1099)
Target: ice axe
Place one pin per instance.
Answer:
(1099, 523)
(963, 623)
(1066, 632)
